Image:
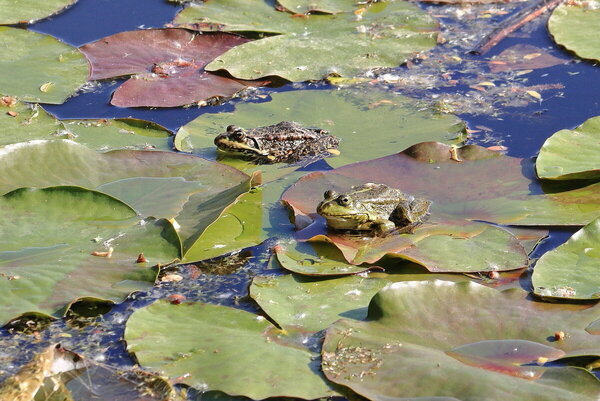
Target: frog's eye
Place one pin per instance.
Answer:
(232, 128)
(238, 135)
(330, 194)
(344, 200)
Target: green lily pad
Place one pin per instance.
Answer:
(315, 259)
(443, 248)
(384, 35)
(571, 154)
(349, 115)
(39, 68)
(573, 26)
(119, 133)
(49, 235)
(484, 185)
(188, 189)
(31, 122)
(311, 304)
(28, 11)
(419, 334)
(213, 347)
(571, 270)
(238, 227)
(322, 6)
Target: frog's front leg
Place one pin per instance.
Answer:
(383, 227)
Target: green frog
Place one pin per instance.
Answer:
(373, 207)
(286, 141)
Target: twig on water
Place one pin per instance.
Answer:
(513, 23)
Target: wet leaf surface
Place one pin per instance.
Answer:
(20, 122)
(197, 343)
(49, 240)
(571, 154)
(349, 115)
(167, 185)
(384, 35)
(572, 25)
(313, 304)
(39, 68)
(571, 270)
(322, 6)
(167, 66)
(16, 12)
(418, 334)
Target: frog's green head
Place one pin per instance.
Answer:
(237, 140)
(342, 212)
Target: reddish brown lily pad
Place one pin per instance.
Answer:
(167, 66)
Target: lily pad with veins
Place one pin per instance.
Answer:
(382, 34)
(491, 343)
(166, 65)
(28, 11)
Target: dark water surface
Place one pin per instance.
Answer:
(521, 129)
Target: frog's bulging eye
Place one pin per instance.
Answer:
(330, 194)
(344, 200)
(238, 135)
(231, 128)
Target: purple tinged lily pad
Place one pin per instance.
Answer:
(167, 66)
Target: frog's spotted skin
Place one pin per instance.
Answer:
(283, 142)
(373, 207)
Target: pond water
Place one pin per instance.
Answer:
(521, 128)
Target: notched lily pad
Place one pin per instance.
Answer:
(213, 347)
(39, 68)
(189, 189)
(491, 343)
(384, 34)
(571, 154)
(167, 66)
(573, 25)
(29, 11)
(571, 271)
(312, 304)
(65, 243)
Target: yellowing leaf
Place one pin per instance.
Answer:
(534, 94)
(486, 83)
(46, 87)
(531, 56)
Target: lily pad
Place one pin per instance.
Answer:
(59, 374)
(167, 66)
(418, 334)
(315, 259)
(443, 248)
(213, 347)
(385, 34)
(484, 185)
(28, 11)
(48, 240)
(572, 25)
(347, 114)
(572, 270)
(571, 154)
(38, 67)
(237, 227)
(322, 6)
(296, 301)
(21, 122)
(191, 190)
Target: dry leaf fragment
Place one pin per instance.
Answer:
(46, 87)
(534, 94)
(454, 154)
(8, 101)
(12, 113)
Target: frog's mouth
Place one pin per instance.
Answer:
(360, 217)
